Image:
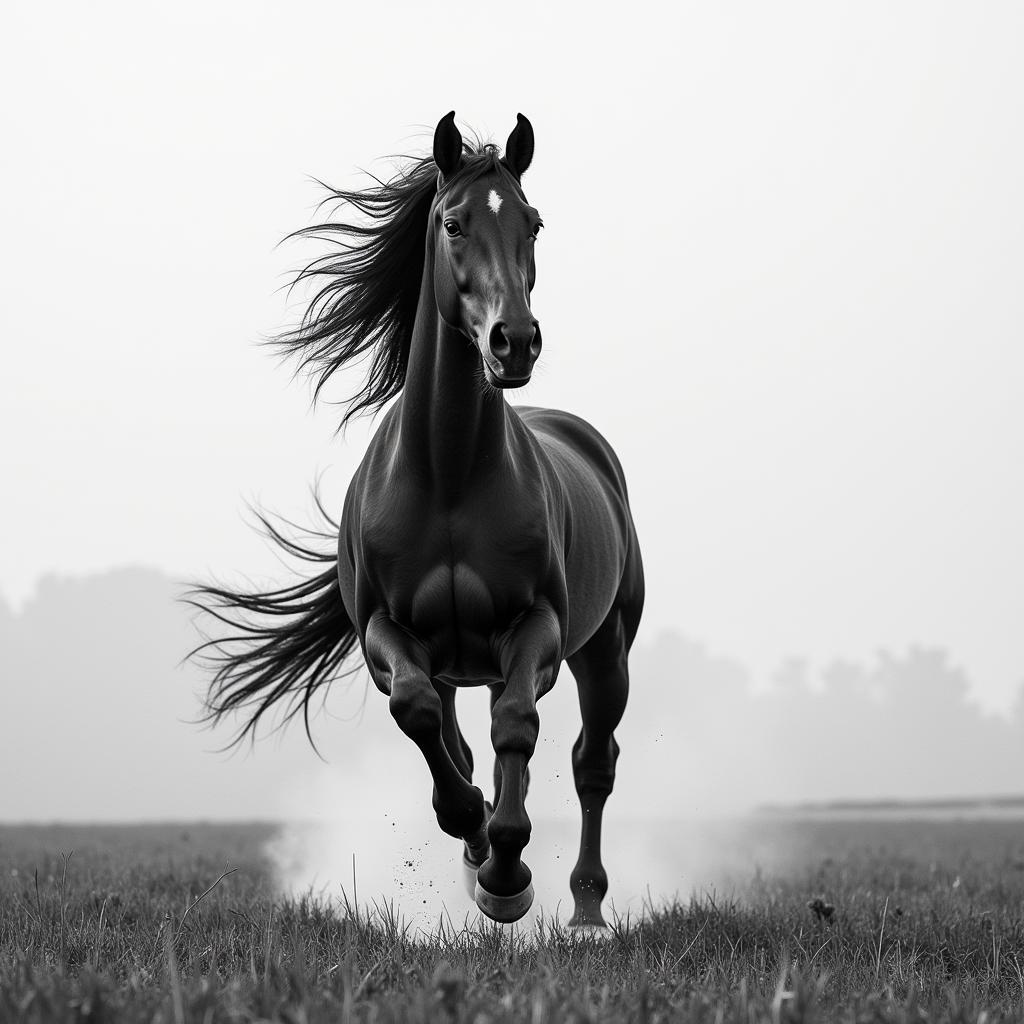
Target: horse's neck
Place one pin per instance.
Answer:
(452, 429)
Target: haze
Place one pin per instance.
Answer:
(781, 271)
(99, 724)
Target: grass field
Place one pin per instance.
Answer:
(927, 924)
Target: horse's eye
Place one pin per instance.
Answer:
(452, 227)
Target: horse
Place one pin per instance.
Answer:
(480, 544)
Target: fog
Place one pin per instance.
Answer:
(100, 724)
(781, 272)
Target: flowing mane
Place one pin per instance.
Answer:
(372, 276)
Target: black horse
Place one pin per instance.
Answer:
(480, 544)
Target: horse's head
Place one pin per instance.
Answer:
(483, 232)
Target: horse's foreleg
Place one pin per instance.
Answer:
(496, 691)
(454, 741)
(401, 669)
(530, 656)
(461, 755)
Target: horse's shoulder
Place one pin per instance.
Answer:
(568, 437)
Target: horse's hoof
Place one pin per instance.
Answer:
(469, 870)
(595, 932)
(504, 909)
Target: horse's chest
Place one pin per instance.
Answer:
(457, 596)
(477, 582)
(457, 585)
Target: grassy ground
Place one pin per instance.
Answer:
(906, 922)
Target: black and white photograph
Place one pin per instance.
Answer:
(512, 514)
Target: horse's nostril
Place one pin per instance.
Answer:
(500, 344)
(536, 343)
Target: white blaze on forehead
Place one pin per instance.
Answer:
(493, 202)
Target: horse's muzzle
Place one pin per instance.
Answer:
(510, 352)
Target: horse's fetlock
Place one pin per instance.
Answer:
(511, 832)
(589, 881)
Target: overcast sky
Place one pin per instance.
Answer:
(782, 271)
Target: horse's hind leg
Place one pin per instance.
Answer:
(602, 680)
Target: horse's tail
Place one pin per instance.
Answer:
(281, 645)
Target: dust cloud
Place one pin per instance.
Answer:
(403, 862)
(375, 840)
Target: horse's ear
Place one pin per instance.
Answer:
(447, 145)
(519, 148)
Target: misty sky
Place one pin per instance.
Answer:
(781, 271)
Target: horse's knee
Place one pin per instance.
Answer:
(415, 705)
(515, 728)
(459, 815)
(593, 765)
